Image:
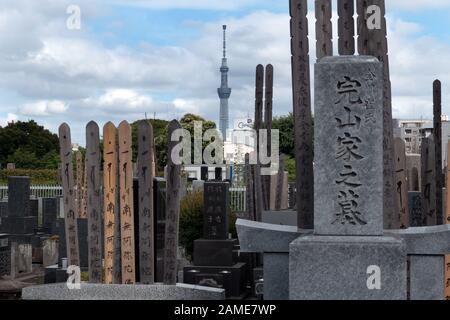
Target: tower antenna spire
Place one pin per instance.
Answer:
(224, 40)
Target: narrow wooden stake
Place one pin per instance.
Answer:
(70, 221)
(301, 88)
(172, 210)
(126, 204)
(324, 29)
(110, 201)
(94, 205)
(146, 226)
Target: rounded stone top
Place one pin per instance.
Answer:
(348, 59)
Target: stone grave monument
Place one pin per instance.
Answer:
(215, 259)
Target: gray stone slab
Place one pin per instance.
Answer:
(426, 277)
(276, 276)
(347, 268)
(348, 146)
(285, 218)
(122, 292)
(264, 237)
(433, 240)
(415, 209)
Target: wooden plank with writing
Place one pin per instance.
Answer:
(70, 216)
(268, 119)
(250, 193)
(94, 205)
(79, 184)
(110, 203)
(346, 27)
(324, 29)
(428, 183)
(447, 221)
(145, 161)
(126, 204)
(173, 185)
(280, 183)
(301, 88)
(437, 135)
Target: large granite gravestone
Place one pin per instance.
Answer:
(49, 214)
(215, 259)
(348, 257)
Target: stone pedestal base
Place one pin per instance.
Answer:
(214, 252)
(347, 268)
(230, 278)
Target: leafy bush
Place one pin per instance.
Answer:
(191, 220)
(38, 176)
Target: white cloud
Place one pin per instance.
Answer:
(417, 4)
(43, 108)
(10, 117)
(189, 4)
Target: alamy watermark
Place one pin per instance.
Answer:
(73, 22)
(213, 153)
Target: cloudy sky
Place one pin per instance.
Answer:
(161, 57)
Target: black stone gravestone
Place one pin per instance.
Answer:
(218, 174)
(215, 258)
(49, 214)
(204, 173)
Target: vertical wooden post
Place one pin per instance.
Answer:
(259, 92)
(324, 29)
(447, 221)
(437, 133)
(402, 222)
(79, 184)
(346, 27)
(65, 144)
(126, 204)
(146, 226)
(268, 116)
(110, 201)
(172, 210)
(94, 206)
(302, 113)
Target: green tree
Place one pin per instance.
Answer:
(31, 139)
(160, 136)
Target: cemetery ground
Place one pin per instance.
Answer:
(363, 219)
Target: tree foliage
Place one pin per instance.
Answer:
(28, 145)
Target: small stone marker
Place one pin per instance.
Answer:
(347, 196)
(416, 217)
(172, 210)
(146, 216)
(94, 205)
(401, 185)
(428, 183)
(71, 227)
(216, 206)
(126, 204)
